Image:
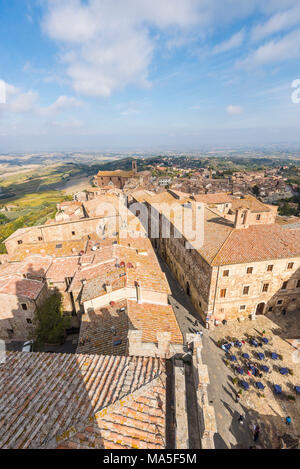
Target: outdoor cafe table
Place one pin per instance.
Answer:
(277, 389)
(284, 371)
(245, 385)
(259, 385)
(261, 356)
(274, 356)
(265, 368)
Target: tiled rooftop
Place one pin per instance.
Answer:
(53, 249)
(98, 337)
(225, 245)
(21, 287)
(82, 401)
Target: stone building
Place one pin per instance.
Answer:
(247, 264)
(116, 178)
(22, 289)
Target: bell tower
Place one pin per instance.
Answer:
(134, 168)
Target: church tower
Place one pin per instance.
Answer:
(134, 168)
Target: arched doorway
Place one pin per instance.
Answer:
(260, 308)
(188, 289)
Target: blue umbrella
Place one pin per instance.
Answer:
(253, 342)
(277, 389)
(265, 368)
(238, 344)
(259, 385)
(246, 355)
(261, 356)
(274, 356)
(240, 371)
(284, 371)
(245, 385)
(233, 358)
(297, 389)
(265, 340)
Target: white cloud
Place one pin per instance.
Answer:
(233, 110)
(63, 103)
(23, 102)
(285, 48)
(235, 41)
(20, 102)
(109, 44)
(279, 22)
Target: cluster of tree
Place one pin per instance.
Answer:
(50, 322)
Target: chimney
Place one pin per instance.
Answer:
(242, 218)
(163, 343)
(138, 293)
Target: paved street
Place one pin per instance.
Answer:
(231, 434)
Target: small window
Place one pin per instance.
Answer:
(258, 217)
(226, 273)
(40, 238)
(29, 321)
(290, 265)
(279, 302)
(298, 284)
(270, 268)
(249, 270)
(73, 233)
(284, 286)
(270, 309)
(20, 242)
(246, 290)
(223, 293)
(242, 307)
(58, 246)
(24, 306)
(265, 287)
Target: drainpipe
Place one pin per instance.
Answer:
(216, 289)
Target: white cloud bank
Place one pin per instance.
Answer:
(22, 102)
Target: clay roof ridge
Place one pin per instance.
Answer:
(220, 249)
(104, 411)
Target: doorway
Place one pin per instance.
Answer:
(260, 308)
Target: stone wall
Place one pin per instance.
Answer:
(163, 348)
(206, 412)
(67, 231)
(14, 319)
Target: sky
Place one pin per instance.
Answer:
(141, 75)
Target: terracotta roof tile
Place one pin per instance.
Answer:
(81, 401)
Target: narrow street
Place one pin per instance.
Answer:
(231, 434)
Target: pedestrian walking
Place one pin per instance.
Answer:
(237, 398)
(288, 420)
(241, 420)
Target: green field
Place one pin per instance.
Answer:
(33, 197)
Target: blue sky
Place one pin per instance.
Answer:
(135, 74)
